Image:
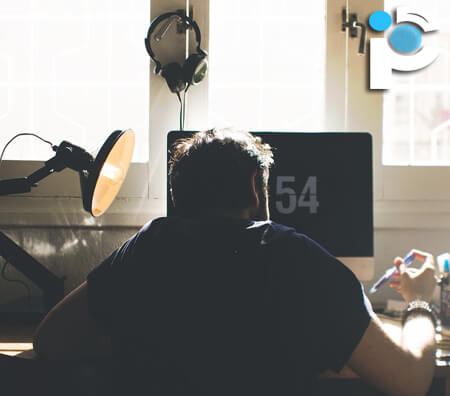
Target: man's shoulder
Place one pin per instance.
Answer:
(174, 229)
(158, 225)
(272, 229)
(276, 232)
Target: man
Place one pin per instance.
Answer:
(220, 300)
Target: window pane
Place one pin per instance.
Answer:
(72, 70)
(416, 120)
(267, 64)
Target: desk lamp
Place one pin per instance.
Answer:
(100, 180)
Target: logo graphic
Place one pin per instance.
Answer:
(405, 39)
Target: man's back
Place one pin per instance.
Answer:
(218, 305)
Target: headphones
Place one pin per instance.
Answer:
(193, 71)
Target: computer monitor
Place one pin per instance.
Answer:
(321, 184)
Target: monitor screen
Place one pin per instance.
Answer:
(321, 184)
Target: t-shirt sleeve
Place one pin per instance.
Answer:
(340, 311)
(101, 283)
(108, 282)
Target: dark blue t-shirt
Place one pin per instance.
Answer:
(220, 306)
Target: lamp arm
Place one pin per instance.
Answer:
(67, 155)
(15, 186)
(24, 184)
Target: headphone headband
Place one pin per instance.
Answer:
(163, 17)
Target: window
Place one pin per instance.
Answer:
(72, 70)
(273, 66)
(404, 196)
(416, 110)
(267, 64)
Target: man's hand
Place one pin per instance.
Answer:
(415, 284)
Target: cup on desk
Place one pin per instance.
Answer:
(445, 302)
(444, 264)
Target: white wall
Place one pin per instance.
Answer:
(66, 251)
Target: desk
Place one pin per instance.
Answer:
(331, 381)
(393, 328)
(16, 340)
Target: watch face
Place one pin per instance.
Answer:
(200, 72)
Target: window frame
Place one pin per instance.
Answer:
(405, 197)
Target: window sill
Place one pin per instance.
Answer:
(56, 202)
(22, 211)
(68, 212)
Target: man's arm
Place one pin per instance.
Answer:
(406, 367)
(397, 369)
(69, 331)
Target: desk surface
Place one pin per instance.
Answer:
(17, 340)
(393, 328)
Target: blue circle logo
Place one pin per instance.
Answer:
(406, 38)
(380, 21)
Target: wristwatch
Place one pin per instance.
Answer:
(419, 306)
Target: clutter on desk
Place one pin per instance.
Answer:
(443, 346)
(443, 265)
(391, 318)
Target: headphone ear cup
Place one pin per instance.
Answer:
(195, 68)
(173, 74)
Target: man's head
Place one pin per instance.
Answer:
(223, 172)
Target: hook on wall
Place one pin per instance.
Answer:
(182, 25)
(353, 25)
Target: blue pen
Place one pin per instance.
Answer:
(408, 259)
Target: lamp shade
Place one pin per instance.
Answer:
(101, 183)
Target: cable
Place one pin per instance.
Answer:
(184, 104)
(182, 107)
(30, 307)
(25, 134)
(181, 111)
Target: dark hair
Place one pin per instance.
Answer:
(212, 170)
